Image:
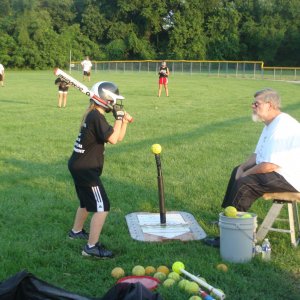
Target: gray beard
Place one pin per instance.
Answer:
(256, 118)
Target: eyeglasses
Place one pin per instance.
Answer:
(257, 104)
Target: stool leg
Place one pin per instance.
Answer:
(297, 224)
(268, 221)
(292, 223)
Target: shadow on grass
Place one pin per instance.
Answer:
(13, 102)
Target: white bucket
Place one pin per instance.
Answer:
(237, 238)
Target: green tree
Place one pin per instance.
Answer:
(187, 39)
(222, 30)
(62, 13)
(5, 8)
(7, 47)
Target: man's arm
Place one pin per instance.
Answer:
(248, 164)
(250, 167)
(263, 167)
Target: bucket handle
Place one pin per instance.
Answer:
(252, 238)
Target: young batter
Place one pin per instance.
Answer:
(86, 164)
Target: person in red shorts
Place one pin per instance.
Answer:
(163, 78)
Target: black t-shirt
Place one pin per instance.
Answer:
(62, 85)
(87, 159)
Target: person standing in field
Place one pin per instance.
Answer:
(86, 164)
(63, 88)
(163, 78)
(2, 74)
(87, 67)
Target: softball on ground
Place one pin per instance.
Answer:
(160, 276)
(169, 282)
(156, 148)
(117, 273)
(138, 271)
(150, 270)
(192, 287)
(222, 267)
(175, 276)
(163, 269)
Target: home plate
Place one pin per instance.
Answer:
(179, 226)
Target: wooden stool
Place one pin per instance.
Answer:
(279, 199)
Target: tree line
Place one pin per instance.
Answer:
(39, 34)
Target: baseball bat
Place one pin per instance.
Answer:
(82, 88)
(78, 85)
(205, 296)
(204, 284)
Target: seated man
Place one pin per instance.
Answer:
(275, 164)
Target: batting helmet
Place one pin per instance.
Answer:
(108, 92)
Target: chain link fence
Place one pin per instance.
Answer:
(243, 69)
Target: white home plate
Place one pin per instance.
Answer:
(179, 226)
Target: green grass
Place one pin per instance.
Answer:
(205, 130)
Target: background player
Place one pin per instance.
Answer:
(87, 67)
(2, 74)
(63, 88)
(163, 78)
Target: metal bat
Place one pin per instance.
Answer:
(204, 284)
(84, 89)
(78, 85)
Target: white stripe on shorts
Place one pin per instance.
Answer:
(98, 198)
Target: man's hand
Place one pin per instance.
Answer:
(118, 112)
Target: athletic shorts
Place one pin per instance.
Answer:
(85, 73)
(163, 80)
(62, 92)
(63, 89)
(93, 199)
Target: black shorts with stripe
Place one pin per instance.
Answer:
(94, 198)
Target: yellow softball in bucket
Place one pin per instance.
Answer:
(230, 212)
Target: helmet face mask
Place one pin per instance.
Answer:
(108, 92)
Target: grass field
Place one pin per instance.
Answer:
(205, 130)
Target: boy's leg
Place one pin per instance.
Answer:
(96, 226)
(80, 218)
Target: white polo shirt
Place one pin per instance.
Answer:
(279, 144)
(87, 65)
(1, 69)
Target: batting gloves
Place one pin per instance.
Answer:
(118, 112)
